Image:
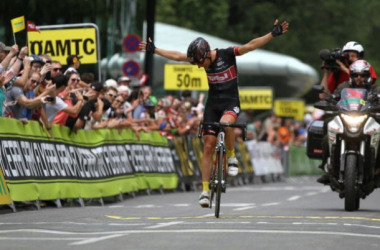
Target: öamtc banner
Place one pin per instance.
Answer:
(89, 164)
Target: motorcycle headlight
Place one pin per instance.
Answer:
(353, 122)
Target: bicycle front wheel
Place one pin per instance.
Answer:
(219, 185)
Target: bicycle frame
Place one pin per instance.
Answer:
(219, 172)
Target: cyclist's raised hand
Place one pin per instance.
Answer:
(279, 29)
(147, 46)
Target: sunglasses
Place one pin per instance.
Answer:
(33, 81)
(111, 95)
(119, 101)
(57, 69)
(75, 79)
(355, 75)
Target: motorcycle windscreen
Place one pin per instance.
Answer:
(353, 99)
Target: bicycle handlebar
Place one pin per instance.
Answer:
(243, 127)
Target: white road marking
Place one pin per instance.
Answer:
(311, 193)
(93, 240)
(271, 204)
(243, 208)
(40, 238)
(181, 205)
(229, 231)
(356, 225)
(236, 204)
(148, 206)
(167, 224)
(116, 206)
(293, 198)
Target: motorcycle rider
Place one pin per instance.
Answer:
(331, 80)
(360, 77)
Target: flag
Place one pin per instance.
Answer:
(18, 24)
(30, 26)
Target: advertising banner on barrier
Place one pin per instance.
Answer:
(88, 164)
(4, 193)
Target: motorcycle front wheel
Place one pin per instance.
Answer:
(351, 199)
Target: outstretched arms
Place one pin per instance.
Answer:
(169, 54)
(277, 30)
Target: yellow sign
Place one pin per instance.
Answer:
(290, 108)
(18, 24)
(185, 77)
(59, 44)
(4, 193)
(255, 98)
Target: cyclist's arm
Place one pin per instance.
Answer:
(255, 44)
(278, 29)
(171, 54)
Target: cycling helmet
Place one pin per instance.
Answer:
(197, 50)
(360, 67)
(36, 58)
(354, 46)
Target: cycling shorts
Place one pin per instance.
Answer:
(215, 109)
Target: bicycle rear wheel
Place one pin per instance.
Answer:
(219, 185)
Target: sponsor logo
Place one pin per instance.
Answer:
(224, 76)
(236, 110)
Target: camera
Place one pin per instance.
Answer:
(50, 98)
(330, 57)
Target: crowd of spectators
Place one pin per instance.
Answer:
(37, 88)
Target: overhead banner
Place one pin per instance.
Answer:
(256, 98)
(184, 77)
(294, 108)
(60, 43)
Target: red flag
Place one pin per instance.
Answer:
(143, 79)
(31, 27)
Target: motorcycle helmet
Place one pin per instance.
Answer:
(360, 67)
(354, 46)
(197, 50)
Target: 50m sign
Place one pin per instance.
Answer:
(184, 77)
(59, 44)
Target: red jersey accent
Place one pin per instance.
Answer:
(224, 76)
(236, 50)
(231, 113)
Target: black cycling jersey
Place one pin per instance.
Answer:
(223, 97)
(222, 74)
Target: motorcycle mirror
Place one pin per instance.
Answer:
(318, 88)
(323, 105)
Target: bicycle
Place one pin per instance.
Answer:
(219, 172)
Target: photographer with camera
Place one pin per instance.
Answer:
(335, 65)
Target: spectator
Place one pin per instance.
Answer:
(52, 108)
(94, 108)
(4, 50)
(110, 83)
(69, 97)
(123, 81)
(33, 80)
(73, 64)
(16, 100)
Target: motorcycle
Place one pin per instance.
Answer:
(353, 139)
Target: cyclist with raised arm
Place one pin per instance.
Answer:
(223, 98)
